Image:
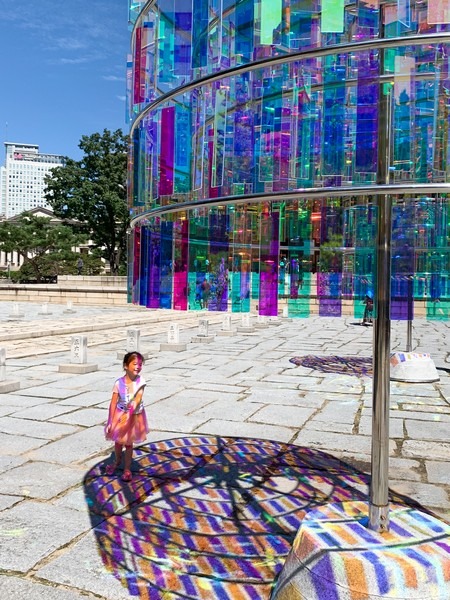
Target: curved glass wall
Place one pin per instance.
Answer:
(262, 133)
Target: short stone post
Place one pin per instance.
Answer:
(173, 340)
(133, 343)
(44, 309)
(16, 314)
(78, 357)
(202, 337)
(78, 349)
(226, 326)
(261, 322)
(6, 386)
(69, 308)
(133, 340)
(245, 324)
(2, 364)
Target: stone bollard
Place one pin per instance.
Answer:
(133, 343)
(78, 349)
(6, 386)
(69, 307)
(261, 322)
(16, 314)
(44, 309)
(78, 357)
(173, 340)
(133, 340)
(2, 364)
(202, 337)
(286, 316)
(245, 324)
(226, 326)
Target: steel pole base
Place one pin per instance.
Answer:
(379, 518)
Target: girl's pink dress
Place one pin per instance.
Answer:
(126, 428)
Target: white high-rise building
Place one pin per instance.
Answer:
(22, 178)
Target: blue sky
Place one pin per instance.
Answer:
(63, 69)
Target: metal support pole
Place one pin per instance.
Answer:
(379, 488)
(409, 336)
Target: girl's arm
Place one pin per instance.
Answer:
(112, 408)
(137, 399)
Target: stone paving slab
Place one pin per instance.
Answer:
(16, 588)
(38, 480)
(26, 427)
(31, 532)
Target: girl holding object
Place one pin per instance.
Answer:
(127, 421)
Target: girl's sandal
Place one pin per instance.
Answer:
(127, 475)
(111, 469)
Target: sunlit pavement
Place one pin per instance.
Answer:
(243, 440)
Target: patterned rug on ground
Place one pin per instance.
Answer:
(344, 365)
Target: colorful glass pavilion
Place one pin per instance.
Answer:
(254, 178)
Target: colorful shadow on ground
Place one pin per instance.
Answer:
(344, 365)
(211, 517)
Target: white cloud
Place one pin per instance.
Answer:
(76, 28)
(121, 98)
(113, 78)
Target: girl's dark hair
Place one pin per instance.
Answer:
(129, 357)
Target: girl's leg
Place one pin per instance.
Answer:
(111, 468)
(127, 464)
(118, 453)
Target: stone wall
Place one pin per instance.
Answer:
(78, 290)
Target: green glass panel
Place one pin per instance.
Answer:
(270, 19)
(332, 16)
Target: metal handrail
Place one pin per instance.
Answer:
(304, 193)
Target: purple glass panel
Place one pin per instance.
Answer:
(180, 276)
(268, 276)
(143, 266)
(182, 42)
(166, 157)
(136, 263)
(218, 254)
(138, 84)
(403, 232)
(154, 260)
(367, 113)
(166, 263)
(329, 293)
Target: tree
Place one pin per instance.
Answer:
(45, 248)
(331, 253)
(93, 191)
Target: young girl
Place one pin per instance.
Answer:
(127, 421)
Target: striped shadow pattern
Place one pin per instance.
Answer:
(210, 517)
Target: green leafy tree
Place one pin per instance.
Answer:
(46, 249)
(331, 253)
(93, 191)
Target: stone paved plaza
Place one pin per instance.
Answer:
(58, 510)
